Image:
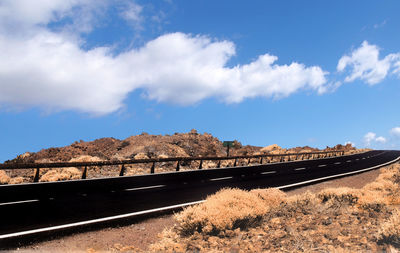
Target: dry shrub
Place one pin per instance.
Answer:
(137, 169)
(209, 165)
(88, 158)
(4, 178)
(302, 203)
(228, 209)
(372, 201)
(342, 195)
(271, 196)
(141, 156)
(17, 180)
(61, 174)
(384, 186)
(333, 220)
(389, 173)
(389, 232)
(85, 158)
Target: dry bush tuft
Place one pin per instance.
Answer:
(389, 232)
(384, 186)
(228, 209)
(61, 174)
(4, 178)
(302, 203)
(271, 196)
(333, 220)
(342, 195)
(17, 180)
(372, 201)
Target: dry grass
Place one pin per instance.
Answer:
(61, 174)
(4, 178)
(241, 209)
(390, 230)
(342, 195)
(69, 173)
(333, 220)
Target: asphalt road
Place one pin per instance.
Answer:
(77, 203)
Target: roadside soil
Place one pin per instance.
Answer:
(140, 235)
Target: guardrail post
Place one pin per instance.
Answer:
(201, 164)
(261, 160)
(219, 164)
(235, 163)
(122, 171)
(152, 168)
(248, 162)
(36, 177)
(288, 158)
(281, 159)
(84, 173)
(178, 166)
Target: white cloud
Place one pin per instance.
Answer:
(371, 138)
(49, 69)
(365, 64)
(380, 139)
(19, 16)
(395, 131)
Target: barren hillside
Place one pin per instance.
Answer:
(151, 146)
(192, 144)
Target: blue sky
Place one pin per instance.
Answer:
(294, 73)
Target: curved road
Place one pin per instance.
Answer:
(41, 207)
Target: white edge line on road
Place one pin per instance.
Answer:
(110, 218)
(338, 175)
(322, 165)
(18, 202)
(300, 169)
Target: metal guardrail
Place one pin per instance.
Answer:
(178, 160)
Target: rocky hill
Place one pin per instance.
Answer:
(154, 146)
(141, 146)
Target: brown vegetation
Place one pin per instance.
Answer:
(337, 219)
(141, 147)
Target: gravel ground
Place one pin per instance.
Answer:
(141, 234)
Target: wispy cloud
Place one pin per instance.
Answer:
(132, 13)
(379, 25)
